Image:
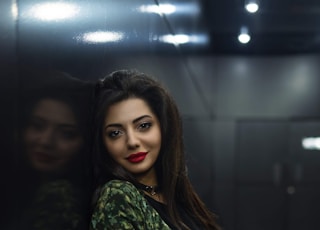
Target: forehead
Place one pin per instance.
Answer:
(127, 110)
(54, 111)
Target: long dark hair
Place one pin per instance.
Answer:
(170, 165)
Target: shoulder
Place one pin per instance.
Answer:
(117, 194)
(119, 185)
(122, 206)
(119, 189)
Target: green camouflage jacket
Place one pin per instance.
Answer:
(122, 206)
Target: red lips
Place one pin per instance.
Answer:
(44, 157)
(137, 157)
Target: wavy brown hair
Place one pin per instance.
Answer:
(170, 165)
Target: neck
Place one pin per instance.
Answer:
(150, 189)
(148, 177)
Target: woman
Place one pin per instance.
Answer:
(55, 120)
(139, 157)
(53, 136)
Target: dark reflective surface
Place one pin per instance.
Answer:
(244, 116)
(50, 171)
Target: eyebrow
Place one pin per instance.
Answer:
(134, 121)
(64, 125)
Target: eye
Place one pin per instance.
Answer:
(36, 124)
(144, 126)
(68, 134)
(114, 133)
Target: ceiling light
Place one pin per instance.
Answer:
(14, 10)
(178, 8)
(53, 11)
(252, 6)
(175, 39)
(158, 9)
(100, 37)
(184, 38)
(311, 143)
(244, 36)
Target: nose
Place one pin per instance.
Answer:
(46, 138)
(132, 139)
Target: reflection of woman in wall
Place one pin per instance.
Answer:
(140, 159)
(52, 136)
(54, 144)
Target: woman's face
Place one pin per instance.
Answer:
(52, 136)
(132, 136)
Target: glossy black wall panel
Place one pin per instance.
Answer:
(260, 174)
(276, 86)
(213, 94)
(172, 72)
(305, 162)
(224, 147)
(268, 91)
(261, 151)
(91, 34)
(276, 180)
(8, 31)
(304, 181)
(8, 114)
(200, 161)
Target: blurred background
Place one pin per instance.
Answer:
(245, 75)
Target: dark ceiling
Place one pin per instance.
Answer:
(278, 27)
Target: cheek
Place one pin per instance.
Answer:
(155, 139)
(155, 142)
(114, 148)
(31, 140)
(68, 148)
(30, 136)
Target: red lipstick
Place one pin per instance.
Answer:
(137, 157)
(44, 157)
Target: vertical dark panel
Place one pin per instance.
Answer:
(198, 136)
(8, 101)
(8, 31)
(306, 162)
(224, 162)
(304, 182)
(277, 180)
(269, 90)
(261, 150)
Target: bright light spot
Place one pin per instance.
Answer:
(161, 9)
(311, 143)
(183, 38)
(178, 8)
(252, 7)
(52, 11)
(14, 10)
(175, 39)
(244, 38)
(101, 37)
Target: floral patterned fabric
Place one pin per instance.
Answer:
(122, 206)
